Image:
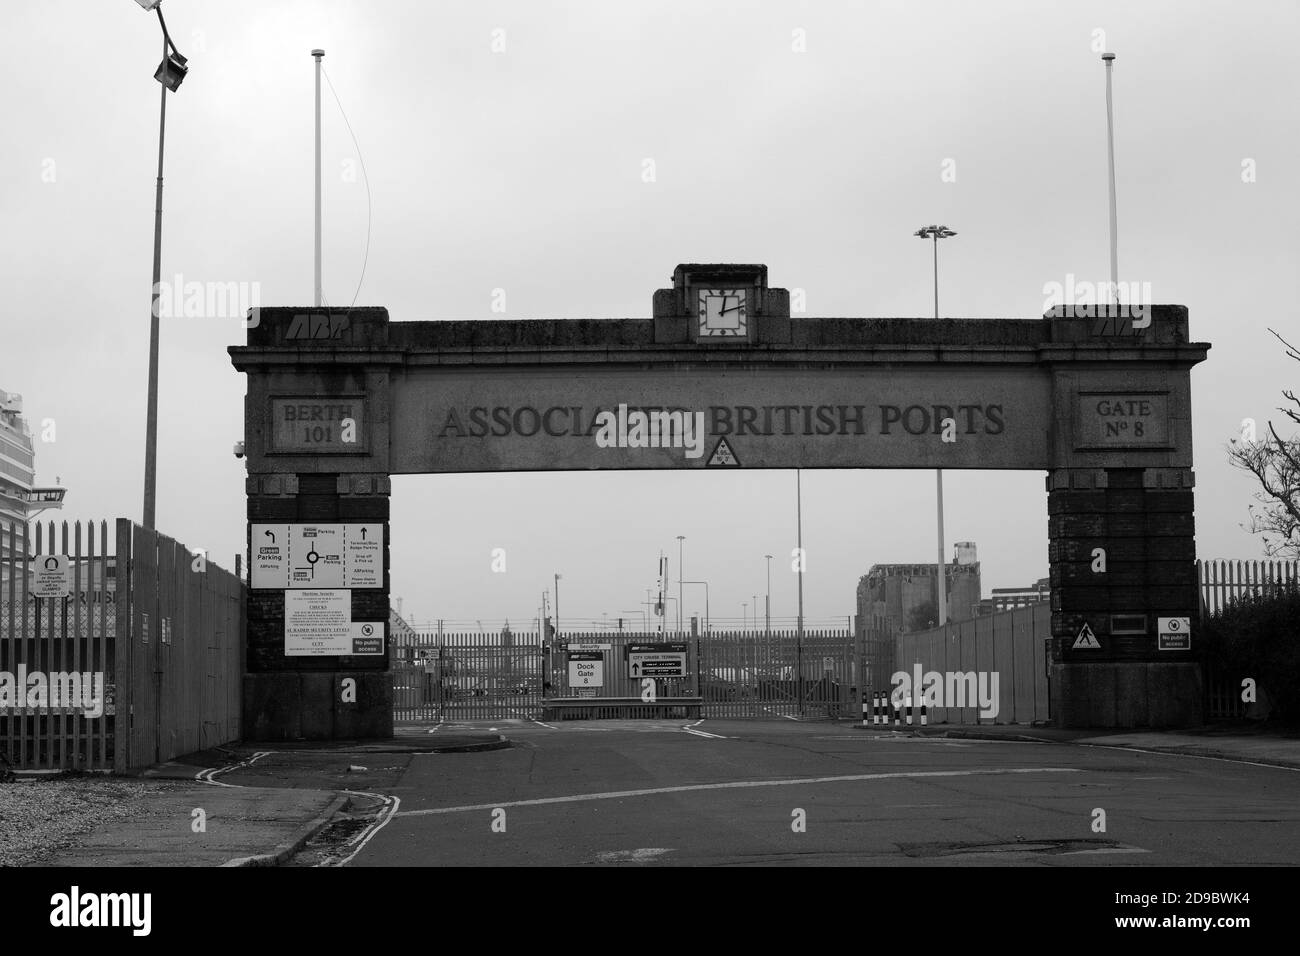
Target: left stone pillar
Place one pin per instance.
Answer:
(316, 442)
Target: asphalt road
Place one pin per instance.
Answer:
(643, 793)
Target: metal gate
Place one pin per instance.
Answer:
(778, 673)
(752, 673)
(467, 677)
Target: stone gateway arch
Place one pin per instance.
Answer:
(722, 376)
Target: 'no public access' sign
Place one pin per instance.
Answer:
(656, 660)
(1174, 633)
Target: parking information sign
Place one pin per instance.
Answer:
(314, 556)
(656, 660)
(1174, 633)
(586, 669)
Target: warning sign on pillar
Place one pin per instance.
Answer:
(1086, 640)
(1174, 633)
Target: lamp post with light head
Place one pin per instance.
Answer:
(170, 73)
(936, 233)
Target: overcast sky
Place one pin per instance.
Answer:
(522, 169)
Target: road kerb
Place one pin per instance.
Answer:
(286, 850)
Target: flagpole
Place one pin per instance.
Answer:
(1109, 58)
(318, 293)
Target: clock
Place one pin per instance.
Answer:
(722, 313)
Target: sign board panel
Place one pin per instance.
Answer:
(51, 577)
(363, 555)
(455, 419)
(318, 425)
(589, 647)
(1122, 420)
(269, 547)
(317, 623)
(1174, 633)
(662, 664)
(318, 555)
(586, 669)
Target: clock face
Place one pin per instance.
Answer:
(723, 313)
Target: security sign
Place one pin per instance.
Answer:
(1174, 633)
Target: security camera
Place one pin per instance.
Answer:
(238, 449)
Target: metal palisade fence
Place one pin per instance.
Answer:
(778, 673)
(1221, 583)
(119, 647)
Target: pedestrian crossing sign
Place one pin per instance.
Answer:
(1087, 640)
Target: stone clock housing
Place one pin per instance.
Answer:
(721, 305)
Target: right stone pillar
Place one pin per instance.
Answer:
(1122, 555)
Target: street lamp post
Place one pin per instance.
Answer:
(935, 233)
(557, 606)
(798, 645)
(170, 73)
(768, 608)
(680, 538)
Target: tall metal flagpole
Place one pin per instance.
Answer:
(317, 54)
(1109, 58)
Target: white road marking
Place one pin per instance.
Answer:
(704, 733)
(736, 785)
(209, 775)
(434, 728)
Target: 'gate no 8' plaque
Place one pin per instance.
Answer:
(1122, 420)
